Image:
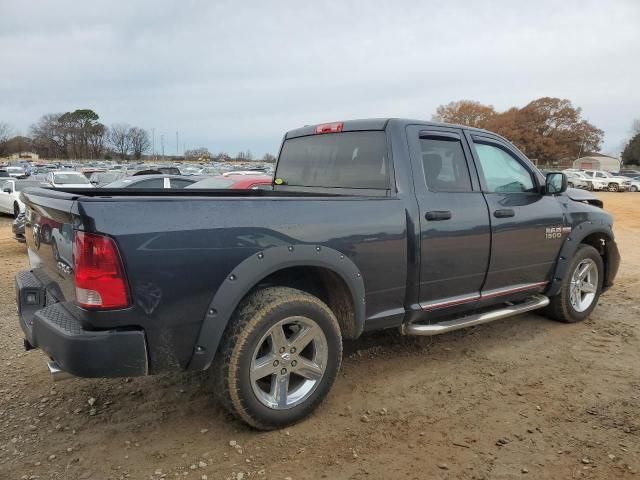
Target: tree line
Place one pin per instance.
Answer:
(631, 152)
(545, 129)
(77, 135)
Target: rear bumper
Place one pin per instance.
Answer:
(79, 351)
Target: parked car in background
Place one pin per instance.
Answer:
(613, 182)
(635, 184)
(17, 172)
(579, 179)
(4, 173)
(10, 201)
(100, 179)
(235, 182)
(626, 172)
(153, 181)
(67, 179)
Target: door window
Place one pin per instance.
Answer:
(444, 166)
(502, 172)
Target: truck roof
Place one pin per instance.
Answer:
(375, 124)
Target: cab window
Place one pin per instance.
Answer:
(502, 172)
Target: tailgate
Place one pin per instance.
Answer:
(49, 236)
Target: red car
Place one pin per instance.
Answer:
(236, 181)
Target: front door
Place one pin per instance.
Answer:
(527, 227)
(454, 219)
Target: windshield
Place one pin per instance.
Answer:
(69, 179)
(346, 160)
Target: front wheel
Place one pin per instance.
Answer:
(279, 358)
(590, 186)
(613, 187)
(580, 289)
(633, 188)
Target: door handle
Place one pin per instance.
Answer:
(504, 213)
(438, 215)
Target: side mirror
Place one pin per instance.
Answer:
(7, 190)
(556, 182)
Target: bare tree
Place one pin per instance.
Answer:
(269, 158)
(120, 139)
(139, 141)
(5, 133)
(635, 127)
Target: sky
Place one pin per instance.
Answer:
(236, 75)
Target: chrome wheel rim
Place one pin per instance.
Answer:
(288, 363)
(584, 284)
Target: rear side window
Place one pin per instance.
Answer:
(346, 160)
(444, 165)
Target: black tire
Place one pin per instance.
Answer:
(16, 210)
(613, 187)
(590, 186)
(259, 312)
(633, 188)
(560, 307)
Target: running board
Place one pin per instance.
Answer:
(532, 303)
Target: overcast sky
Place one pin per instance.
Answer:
(238, 74)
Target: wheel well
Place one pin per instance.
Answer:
(599, 241)
(323, 283)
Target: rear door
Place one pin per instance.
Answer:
(454, 219)
(527, 227)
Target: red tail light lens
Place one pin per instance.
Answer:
(334, 127)
(99, 275)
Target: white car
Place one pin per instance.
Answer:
(613, 182)
(16, 172)
(579, 179)
(68, 179)
(635, 184)
(10, 195)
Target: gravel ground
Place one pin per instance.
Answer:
(521, 398)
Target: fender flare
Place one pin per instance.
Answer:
(251, 271)
(569, 248)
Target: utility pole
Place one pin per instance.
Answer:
(162, 145)
(177, 147)
(153, 142)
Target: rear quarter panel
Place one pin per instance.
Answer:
(178, 251)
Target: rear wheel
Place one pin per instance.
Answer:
(279, 358)
(580, 289)
(633, 188)
(613, 187)
(590, 186)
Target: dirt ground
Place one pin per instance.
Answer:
(521, 398)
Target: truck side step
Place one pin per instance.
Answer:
(532, 303)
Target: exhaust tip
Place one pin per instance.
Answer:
(57, 374)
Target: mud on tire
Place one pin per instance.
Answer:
(561, 306)
(253, 336)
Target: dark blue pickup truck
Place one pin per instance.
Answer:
(371, 224)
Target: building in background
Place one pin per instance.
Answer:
(24, 156)
(597, 161)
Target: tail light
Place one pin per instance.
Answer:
(334, 127)
(99, 276)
